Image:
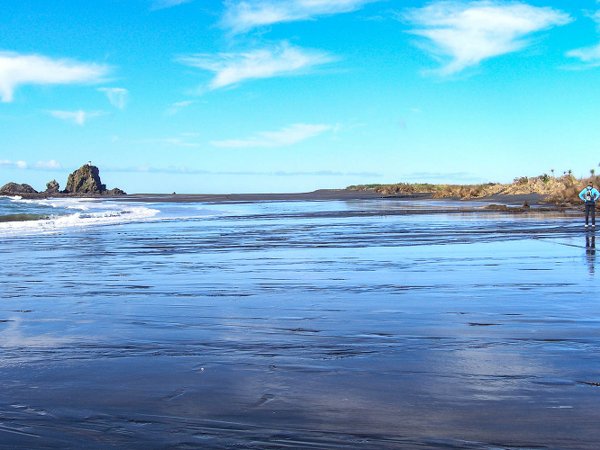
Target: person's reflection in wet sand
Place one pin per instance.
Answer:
(590, 251)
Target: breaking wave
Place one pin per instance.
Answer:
(26, 216)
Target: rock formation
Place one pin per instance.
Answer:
(115, 191)
(85, 180)
(16, 189)
(52, 187)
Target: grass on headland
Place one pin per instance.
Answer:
(561, 190)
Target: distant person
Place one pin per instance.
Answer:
(589, 195)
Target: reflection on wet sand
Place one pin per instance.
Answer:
(302, 332)
(590, 251)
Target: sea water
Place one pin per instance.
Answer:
(330, 324)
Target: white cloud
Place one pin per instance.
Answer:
(183, 170)
(290, 135)
(469, 33)
(589, 56)
(15, 164)
(17, 70)
(79, 117)
(243, 16)
(164, 4)
(44, 165)
(182, 140)
(51, 164)
(174, 108)
(233, 68)
(117, 97)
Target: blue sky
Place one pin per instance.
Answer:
(210, 96)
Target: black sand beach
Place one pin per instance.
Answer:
(318, 195)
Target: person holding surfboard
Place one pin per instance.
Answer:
(589, 195)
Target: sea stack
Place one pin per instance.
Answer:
(86, 180)
(52, 187)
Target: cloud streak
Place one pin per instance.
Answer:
(176, 107)
(48, 165)
(588, 56)
(117, 97)
(79, 117)
(164, 4)
(290, 135)
(465, 34)
(231, 69)
(18, 70)
(277, 173)
(14, 164)
(243, 16)
(41, 165)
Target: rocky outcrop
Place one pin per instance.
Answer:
(16, 189)
(115, 191)
(85, 180)
(52, 187)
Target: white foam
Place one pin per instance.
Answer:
(81, 204)
(91, 213)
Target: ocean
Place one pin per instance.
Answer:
(144, 323)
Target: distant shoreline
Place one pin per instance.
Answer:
(321, 194)
(325, 194)
(499, 202)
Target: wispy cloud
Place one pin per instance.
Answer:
(174, 108)
(182, 140)
(164, 4)
(182, 170)
(117, 97)
(42, 165)
(448, 177)
(230, 69)
(17, 70)
(589, 57)
(79, 117)
(243, 16)
(14, 164)
(290, 135)
(49, 165)
(463, 34)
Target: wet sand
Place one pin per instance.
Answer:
(278, 328)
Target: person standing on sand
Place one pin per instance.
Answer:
(589, 195)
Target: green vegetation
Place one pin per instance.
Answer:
(560, 190)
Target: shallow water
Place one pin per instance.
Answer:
(301, 325)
